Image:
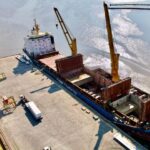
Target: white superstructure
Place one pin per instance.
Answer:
(39, 43)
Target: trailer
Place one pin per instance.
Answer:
(31, 106)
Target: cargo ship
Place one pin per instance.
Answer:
(117, 100)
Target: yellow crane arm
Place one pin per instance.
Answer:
(70, 39)
(113, 55)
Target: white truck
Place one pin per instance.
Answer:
(34, 110)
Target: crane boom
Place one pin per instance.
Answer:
(70, 39)
(114, 57)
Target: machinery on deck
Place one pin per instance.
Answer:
(2, 76)
(114, 56)
(69, 37)
(9, 104)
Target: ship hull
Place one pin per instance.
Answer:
(140, 133)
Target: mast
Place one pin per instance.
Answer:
(36, 28)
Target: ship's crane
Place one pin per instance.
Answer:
(114, 56)
(70, 39)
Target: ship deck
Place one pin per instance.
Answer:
(50, 61)
(65, 125)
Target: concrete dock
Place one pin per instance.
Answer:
(66, 125)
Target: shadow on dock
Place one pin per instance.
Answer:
(51, 89)
(21, 68)
(54, 88)
(40, 89)
(3, 113)
(103, 129)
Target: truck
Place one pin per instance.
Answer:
(31, 106)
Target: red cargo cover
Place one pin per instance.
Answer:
(70, 66)
(50, 61)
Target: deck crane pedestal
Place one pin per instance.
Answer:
(70, 39)
(114, 56)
